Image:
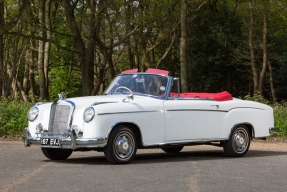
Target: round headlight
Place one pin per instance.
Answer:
(32, 113)
(89, 114)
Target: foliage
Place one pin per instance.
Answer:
(280, 117)
(257, 98)
(13, 117)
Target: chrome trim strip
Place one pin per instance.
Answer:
(99, 103)
(124, 112)
(246, 108)
(71, 102)
(188, 141)
(214, 110)
(197, 110)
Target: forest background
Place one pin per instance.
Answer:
(78, 46)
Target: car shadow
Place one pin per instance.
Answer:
(161, 157)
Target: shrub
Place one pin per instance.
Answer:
(280, 118)
(13, 117)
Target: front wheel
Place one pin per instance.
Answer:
(57, 154)
(238, 143)
(121, 147)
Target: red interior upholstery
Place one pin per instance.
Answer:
(158, 71)
(130, 71)
(222, 96)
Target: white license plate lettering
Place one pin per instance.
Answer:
(44, 141)
(50, 141)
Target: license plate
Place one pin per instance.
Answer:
(50, 141)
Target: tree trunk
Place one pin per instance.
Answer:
(2, 23)
(128, 7)
(252, 54)
(26, 72)
(21, 89)
(87, 79)
(99, 82)
(42, 81)
(47, 44)
(271, 81)
(264, 48)
(183, 47)
(32, 84)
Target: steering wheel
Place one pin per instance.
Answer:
(122, 87)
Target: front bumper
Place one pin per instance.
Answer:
(71, 142)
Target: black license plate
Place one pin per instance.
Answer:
(49, 141)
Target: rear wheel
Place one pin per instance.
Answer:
(238, 143)
(121, 147)
(172, 149)
(56, 154)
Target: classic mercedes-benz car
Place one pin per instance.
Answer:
(146, 110)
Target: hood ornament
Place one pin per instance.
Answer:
(61, 96)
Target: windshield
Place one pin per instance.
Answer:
(150, 84)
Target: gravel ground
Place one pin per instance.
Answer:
(269, 145)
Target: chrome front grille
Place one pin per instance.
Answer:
(59, 118)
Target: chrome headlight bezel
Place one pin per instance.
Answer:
(33, 113)
(89, 114)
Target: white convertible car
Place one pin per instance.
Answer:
(146, 110)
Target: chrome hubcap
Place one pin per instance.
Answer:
(124, 145)
(240, 140)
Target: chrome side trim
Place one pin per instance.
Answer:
(186, 142)
(71, 142)
(246, 108)
(209, 110)
(225, 111)
(125, 112)
(99, 103)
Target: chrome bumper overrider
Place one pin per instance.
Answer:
(273, 130)
(71, 142)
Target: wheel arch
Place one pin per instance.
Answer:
(133, 126)
(249, 127)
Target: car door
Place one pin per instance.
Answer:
(148, 115)
(192, 119)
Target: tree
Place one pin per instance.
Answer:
(183, 47)
(5, 27)
(251, 47)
